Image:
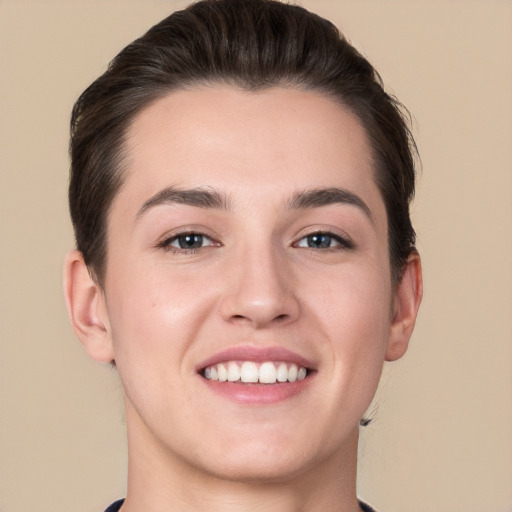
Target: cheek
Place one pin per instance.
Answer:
(355, 313)
(357, 299)
(155, 314)
(147, 329)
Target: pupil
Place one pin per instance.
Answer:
(190, 241)
(319, 241)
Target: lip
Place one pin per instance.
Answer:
(256, 393)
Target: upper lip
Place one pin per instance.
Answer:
(257, 355)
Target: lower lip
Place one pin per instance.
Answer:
(257, 393)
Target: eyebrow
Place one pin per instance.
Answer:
(325, 196)
(199, 197)
(211, 198)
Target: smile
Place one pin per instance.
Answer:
(253, 375)
(267, 372)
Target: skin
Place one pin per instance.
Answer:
(254, 282)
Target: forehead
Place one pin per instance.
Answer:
(265, 143)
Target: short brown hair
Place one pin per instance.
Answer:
(252, 44)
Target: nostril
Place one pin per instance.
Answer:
(243, 318)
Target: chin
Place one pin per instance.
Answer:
(272, 459)
(243, 468)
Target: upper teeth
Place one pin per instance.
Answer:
(248, 371)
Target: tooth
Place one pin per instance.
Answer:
(249, 372)
(292, 373)
(222, 373)
(282, 373)
(233, 372)
(268, 373)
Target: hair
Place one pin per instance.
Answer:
(249, 44)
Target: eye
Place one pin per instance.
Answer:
(184, 242)
(323, 240)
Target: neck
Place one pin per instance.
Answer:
(159, 481)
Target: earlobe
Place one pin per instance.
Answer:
(407, 302)
(87, 309)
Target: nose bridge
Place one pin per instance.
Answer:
(261, 286)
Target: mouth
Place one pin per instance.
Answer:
(251, 372)
(257, 375)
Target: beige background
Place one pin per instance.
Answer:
(442, 438)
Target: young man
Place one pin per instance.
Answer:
(239, 191)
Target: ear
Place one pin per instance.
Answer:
(87, 309)
(405, 308)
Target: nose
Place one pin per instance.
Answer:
(260, 291)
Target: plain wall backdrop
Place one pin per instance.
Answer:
(441, 440)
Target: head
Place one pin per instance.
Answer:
(240, 189)
(252, 45)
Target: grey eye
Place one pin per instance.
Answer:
(190, 241)
(319, 241)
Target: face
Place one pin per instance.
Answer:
(247, 301)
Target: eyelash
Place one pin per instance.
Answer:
(167, 243)
(342, 243)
